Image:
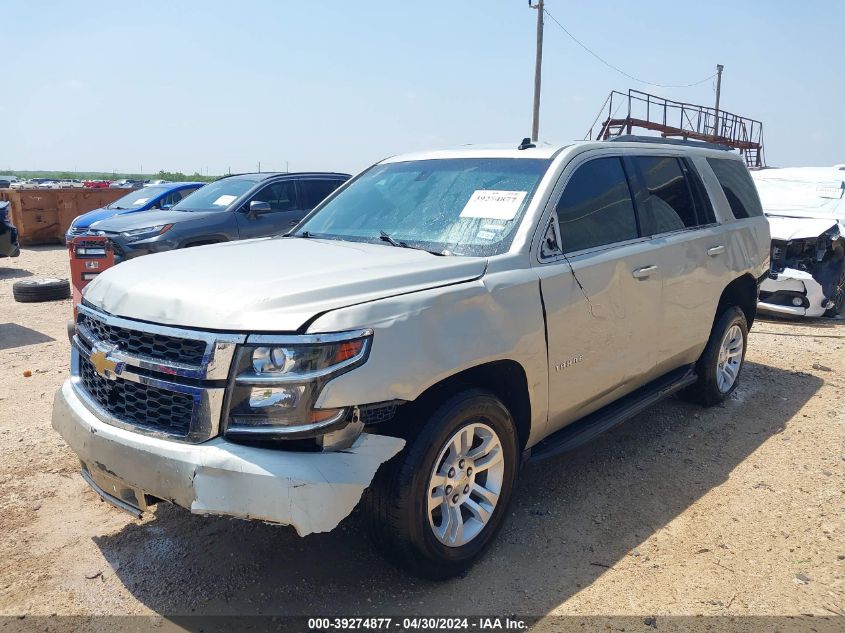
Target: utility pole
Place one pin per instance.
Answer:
(538, 63)
(719, 69)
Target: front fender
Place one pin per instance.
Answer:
(423, 338)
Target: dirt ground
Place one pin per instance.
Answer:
(734, 510)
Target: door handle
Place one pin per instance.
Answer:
(644, 273)
(716, 250)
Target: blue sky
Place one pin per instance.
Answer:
(337, 85)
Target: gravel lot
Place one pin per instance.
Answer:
(734, 510)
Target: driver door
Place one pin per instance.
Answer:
(283, 215)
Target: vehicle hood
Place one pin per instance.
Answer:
(268, 284)
(795, 228)
(129, 221)
(87, 219)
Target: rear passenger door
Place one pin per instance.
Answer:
(601, 290)
(677, 213)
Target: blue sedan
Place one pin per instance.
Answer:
(152, 197)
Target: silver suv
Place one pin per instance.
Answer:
(438, 321)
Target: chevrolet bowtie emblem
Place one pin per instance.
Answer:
(104, 366)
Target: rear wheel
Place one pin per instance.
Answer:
(721, 363)
(439, 503)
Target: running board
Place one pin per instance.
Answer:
(590, 427)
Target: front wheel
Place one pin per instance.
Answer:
(720, 364)
(438, 505)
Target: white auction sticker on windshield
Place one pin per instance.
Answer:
(493, 205)
(224, 200)
(139, 202)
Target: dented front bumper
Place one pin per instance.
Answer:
(312, 492)
(776, 295)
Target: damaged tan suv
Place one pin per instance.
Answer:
(437, 322)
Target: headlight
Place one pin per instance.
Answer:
(150, 231)
(278, 379)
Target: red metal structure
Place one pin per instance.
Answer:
(683, 120)
(89, 256)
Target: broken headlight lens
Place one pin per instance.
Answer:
(278, 380)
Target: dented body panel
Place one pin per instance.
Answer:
(807, 266)
(312, 492)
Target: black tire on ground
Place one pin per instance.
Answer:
(706, 390)
(838, 298)
(396, 505)
(34, 290)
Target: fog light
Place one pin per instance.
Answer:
(796, 301)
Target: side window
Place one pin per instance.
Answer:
(182, 194)
(280, 195)
(668, 205)
(551, 240)
(703, 206)
(738, 187)
(315, 191)
(170, 199)
(596, 208)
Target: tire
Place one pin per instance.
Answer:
(35, 290)
(397, 504)
(838, 298)
(712, 386)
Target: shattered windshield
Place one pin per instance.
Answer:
(461, 206)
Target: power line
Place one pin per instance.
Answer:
(619, 70)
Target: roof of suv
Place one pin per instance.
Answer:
(547, 151)
(266, 175)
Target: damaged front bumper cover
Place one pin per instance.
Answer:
(312, 492)
(778, 296)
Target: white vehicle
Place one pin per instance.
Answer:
(438, 321)
(806, 211)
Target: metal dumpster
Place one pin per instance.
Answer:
(42, 216)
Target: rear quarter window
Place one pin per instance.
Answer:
(738, 187)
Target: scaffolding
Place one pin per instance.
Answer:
(675, 119)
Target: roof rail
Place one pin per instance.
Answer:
(634, 138)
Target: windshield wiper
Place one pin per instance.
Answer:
(385, 237)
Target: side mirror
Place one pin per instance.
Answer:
(165, 207)
(257, 207)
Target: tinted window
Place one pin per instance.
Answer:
(596, 208)
(738, 187)
(668, 205)
(314, 191)
(280, 195)
(703, 206)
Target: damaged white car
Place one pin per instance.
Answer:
(805, 209)
(434, 324)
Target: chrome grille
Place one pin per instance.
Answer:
(150, 378)
(141, 405)
(147, 344)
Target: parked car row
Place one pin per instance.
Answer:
(180, 215)
(13, 182)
